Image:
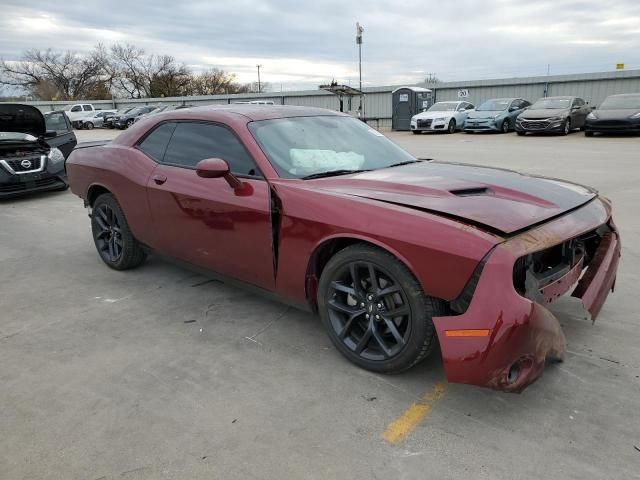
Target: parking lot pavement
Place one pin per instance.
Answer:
(160, 373)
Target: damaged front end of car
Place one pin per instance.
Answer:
(501, 332)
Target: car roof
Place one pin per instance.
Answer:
(251, 111)
(505, 99)
(558, 97)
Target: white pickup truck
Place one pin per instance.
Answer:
(78, 111)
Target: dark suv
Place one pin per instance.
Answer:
(33, 148)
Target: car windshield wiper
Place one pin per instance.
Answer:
(332, 173)
(408, 162)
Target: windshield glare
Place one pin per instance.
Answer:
(494, 105)
(552, 103)
(443, 107)
(301, 146)
(620, 103)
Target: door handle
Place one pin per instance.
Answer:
(159, 179)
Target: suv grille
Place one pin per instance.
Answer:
(25, 164)
(422, 123)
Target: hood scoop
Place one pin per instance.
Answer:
(471, 192)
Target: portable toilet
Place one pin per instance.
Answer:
(406, 102)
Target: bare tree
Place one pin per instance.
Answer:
(63, 75)
(215, 82)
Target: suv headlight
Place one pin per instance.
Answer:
(55, 156)
(592, 116)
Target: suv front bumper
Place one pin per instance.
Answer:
(52, 177)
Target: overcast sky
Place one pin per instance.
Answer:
(302, 44)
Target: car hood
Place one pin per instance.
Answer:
(498, 200)
(18, 118)
(615, 114)
(545, 113)
(433, 115)
(485, 114)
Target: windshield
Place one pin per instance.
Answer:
(631, 102)
(443, 107)
(552, 103)
(302, 146)
(494, 105)
(16, 136)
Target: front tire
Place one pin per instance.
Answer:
(416, 132)
(566, 128)
(129, 123)
(88, 125)
(114, 241)
(521, 134)
(452, 126)
(588, 133)
(505, 126)
(375, 311)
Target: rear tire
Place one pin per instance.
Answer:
(452, 126)
(384, 325)
(114, 241)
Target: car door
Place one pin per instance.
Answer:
(203, 220)
(577, 114)
(65, 140)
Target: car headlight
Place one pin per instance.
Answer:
(635, 115)
(555, 119)
(592, 116)
(440, 119)
(55, 156)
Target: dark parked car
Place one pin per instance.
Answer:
(396, 254)
(553, 114)
(33, 148)
(618, 113)
(109, 119)
(497, 114)
(126, 120)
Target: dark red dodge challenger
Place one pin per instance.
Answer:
(328, 214)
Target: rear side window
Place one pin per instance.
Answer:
(156, 142)
(192, 142)
(87, 108)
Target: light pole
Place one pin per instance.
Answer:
(259, 86)
(359, 30)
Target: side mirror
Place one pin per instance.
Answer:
(217, 168)
(50, 134)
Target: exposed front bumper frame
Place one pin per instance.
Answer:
(521, 333)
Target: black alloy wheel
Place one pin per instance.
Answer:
(115, 243)
(129, 122)
(374, 310)
(452, 126)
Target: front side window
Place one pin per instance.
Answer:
(56, 121)
(192, 142)
(77, 108)
(155, 144)
(87, 108)
(301, 146)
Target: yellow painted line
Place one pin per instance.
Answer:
(404, 425)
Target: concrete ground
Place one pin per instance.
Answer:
(159, 373)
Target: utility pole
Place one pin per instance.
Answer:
(359, 30)
(259, 86)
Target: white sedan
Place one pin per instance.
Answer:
(442, 116)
